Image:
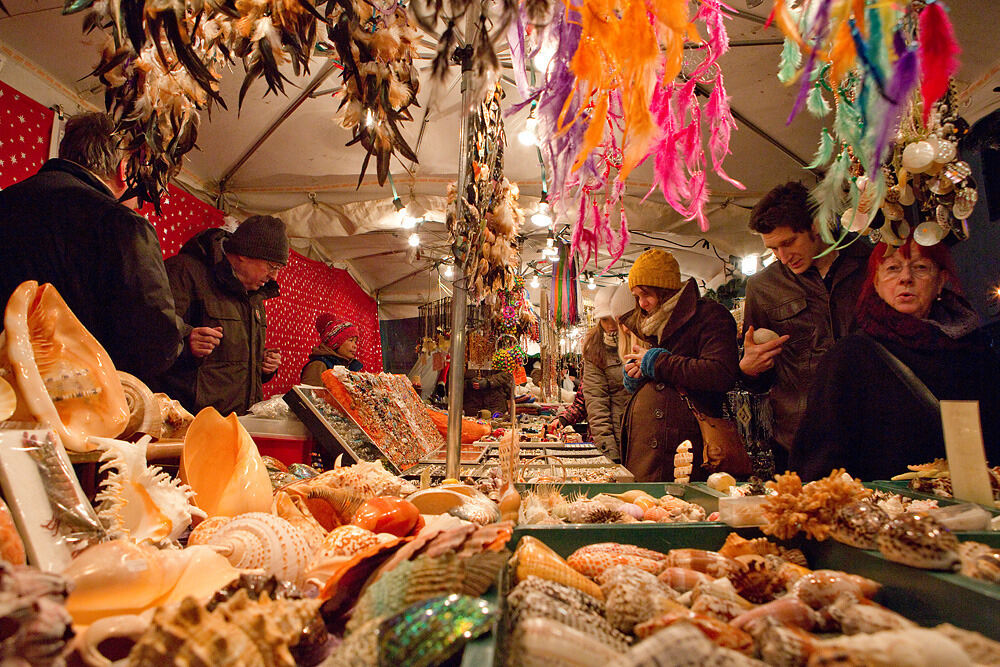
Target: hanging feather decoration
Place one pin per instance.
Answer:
(938, 54)
(824, 151)
(903, 82)
(830, 196)
(817, 104)
(791, 58)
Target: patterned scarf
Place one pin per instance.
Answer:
(951, 319)
(653, 324)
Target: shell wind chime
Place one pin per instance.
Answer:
(895, 129)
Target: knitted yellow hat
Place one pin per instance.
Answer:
(655, 268)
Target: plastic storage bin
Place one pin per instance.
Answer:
(287, 440)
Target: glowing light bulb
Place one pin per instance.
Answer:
(414, 239)
(542, 218)
(550, 243)
(369, 118)
(406, 221)
(448, 271)
(590, 283)
(534, 281)
(749, 264)
(529, 135)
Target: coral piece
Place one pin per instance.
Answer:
(240, 631)
(11, 544)
(62, 376)
(919, 541)
(118, 577)
(139, 502)
(810, 508)
(36, 626)
(533, 557)
(222, 465)
(258, 540)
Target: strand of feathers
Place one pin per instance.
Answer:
(876, 60)
(611, 98)
(380, 83)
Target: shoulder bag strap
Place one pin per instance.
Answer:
(907, 377)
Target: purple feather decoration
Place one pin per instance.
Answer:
(515, 37)
(904, 80)
(817, 35)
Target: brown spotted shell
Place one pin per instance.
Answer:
(633, 596)
(919, 541)
(760, 580)
(858, 524)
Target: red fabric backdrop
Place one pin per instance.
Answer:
(25, 129)
(307, 287)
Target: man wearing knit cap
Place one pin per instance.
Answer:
(338, 346)
(220, 282)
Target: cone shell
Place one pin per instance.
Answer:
(62, 376)
(532, 557)
(221, 464)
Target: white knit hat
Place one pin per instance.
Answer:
(602, 302)
(622, 302)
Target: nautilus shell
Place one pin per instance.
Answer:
(262, 541)
(139, 502)
(62, 376)
(223, 467)
(119, 577)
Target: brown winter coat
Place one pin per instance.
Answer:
(701, 357)
(207, 294)
(606, 399)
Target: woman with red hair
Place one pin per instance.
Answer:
(873, 408)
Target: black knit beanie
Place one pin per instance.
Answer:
(260, 236)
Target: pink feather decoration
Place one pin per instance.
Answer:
(938, 54)
(720, 119)
(699, 197)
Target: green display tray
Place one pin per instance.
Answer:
(903, 489)
(928, 598)
(692, 493)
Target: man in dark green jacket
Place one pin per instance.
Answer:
(220, 282)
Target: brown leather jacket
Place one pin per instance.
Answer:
(702, 358)
(814, 317)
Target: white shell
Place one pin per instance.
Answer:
(853, 220)
(906, 196)
(761, 336)
(918, 156)
(946, 152)
(928, 233)
(258, 540)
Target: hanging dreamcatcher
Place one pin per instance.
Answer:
(884, 71)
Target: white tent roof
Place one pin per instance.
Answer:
(303, 172)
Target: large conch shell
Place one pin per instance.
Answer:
(139, 502)
(263, 541)
(222, 465)
(119, 577)
(8, 400)
(61, 374)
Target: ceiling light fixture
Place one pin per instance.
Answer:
(749, 264)
(542, 217)
(529, 135)
(534, 281)
(590, 283)
(414, 239)
(448, 271)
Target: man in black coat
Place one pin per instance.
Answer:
(65, 226)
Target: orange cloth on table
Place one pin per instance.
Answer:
(471, 429)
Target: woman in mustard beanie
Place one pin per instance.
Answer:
(684, 343)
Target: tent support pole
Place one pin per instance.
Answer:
(456, 371)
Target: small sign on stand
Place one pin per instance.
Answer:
(963, 441)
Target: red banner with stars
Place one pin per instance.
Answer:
(25, 127)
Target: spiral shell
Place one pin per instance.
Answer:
(257, 540)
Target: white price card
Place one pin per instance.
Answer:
(963, 441)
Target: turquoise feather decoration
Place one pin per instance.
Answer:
(817, 104)
(830, 198)
(791, 60)
(824, 151)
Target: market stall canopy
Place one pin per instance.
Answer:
(287, 155)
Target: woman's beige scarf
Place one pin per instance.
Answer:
(655, 322)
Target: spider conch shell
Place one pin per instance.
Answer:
(119, 577)
(139, 502)
(222, 465)
(61, 374)
(263, 541)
